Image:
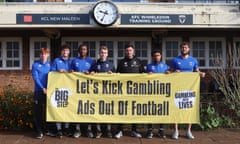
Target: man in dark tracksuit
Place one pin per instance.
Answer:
(40, 70)
(103, 65)
(130, 64)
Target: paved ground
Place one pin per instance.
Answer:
(220, 136)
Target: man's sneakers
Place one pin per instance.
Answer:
(109, 134)
(59, 134)
(175, 135)
(149, 134)
(133, 134)
(161, 134)
(39, 135)
(99, 134)
(49, 133)
(90, 134)
(136, 134)
(77, 134)
(189, 135)
(67, 132)
(118, 135)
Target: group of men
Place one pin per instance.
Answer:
(84, 64)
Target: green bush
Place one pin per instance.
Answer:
(210, 119)
(16, 109)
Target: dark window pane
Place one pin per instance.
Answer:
(201, 62)
(137, 53)
(137, 45)
(9, 45)
(168, 62)
(43, 44)
(121, 48)
(144, 53)
(16, 63)
(110, 53)
(202, 54)
(9, 63)
(74, 48)
(144, 62)
(37, 45)
(9, 54)
(37, 54)
(175, 53)
(16, 54)
(218, 44)
(15, 45)
(168, 53)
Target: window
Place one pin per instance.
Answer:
(236, 52)
(170, 49)
(207, 1)
(10, 54)
(206, 50)
(36, 44)
(74, 44)
(116, 47)
(141, 50)
(121, 48)
(198, 51)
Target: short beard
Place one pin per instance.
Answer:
(183, 54)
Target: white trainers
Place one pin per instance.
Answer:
(189, 135)
(77, 134)
(118, 135)
(149, 134)
(175, 135)
(136, 134)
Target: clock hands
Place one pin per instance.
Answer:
(104, 14)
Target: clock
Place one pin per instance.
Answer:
(105, 13)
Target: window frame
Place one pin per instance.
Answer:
(164, 52)
(115, 44)
(236, 39)
(4, 50)
(206, 40)
(31, 48)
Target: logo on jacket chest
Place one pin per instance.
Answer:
(130, 64)
(99, 67)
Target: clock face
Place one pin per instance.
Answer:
(105, 13)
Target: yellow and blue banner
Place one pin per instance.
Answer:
(123, 98)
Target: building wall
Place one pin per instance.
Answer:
(209, 20)
(204, 15)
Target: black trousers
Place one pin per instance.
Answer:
(39, 108)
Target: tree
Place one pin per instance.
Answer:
(228, 77)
